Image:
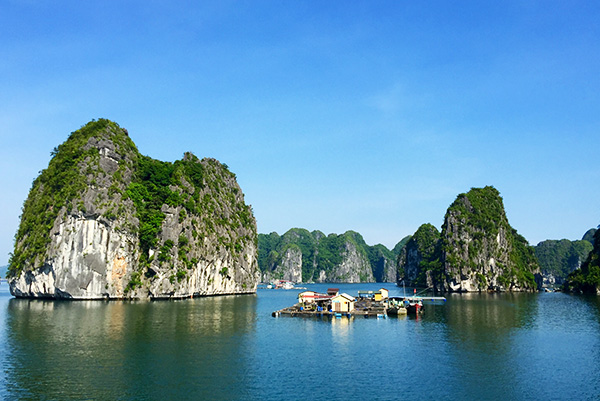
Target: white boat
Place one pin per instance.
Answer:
(288, 285)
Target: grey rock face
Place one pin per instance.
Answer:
(289, 269)
(354, 268)
(410, 260)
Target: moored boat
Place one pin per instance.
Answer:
(415, 307)
(396, 310)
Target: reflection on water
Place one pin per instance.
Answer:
(475, 346)
(478, 331)
(340, 330)
(127, 350)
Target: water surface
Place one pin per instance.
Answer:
(476, 346)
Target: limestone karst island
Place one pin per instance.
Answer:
(103, 222)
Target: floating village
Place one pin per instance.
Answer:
(377, 304)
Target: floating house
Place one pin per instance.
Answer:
(308, 297)
(367, 304)
(383, 294)
(342, 303)
(378, 296)
(314, 300)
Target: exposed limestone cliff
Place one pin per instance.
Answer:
(288, 267)
(383, 263)
(354, 267)
(344, 258)
(477, 251)
(103, 221)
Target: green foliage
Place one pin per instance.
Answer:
(134, 282)
(152, 188)
(183, 240)
(561, 257)
(426, 239)
(180, 275)
(182, 215)
(523, 256)
(379, 257)
(481, 208)
(308, 246)
(479, 216)
(469, 235)
(165, 251)
(400, 246)
(589, 235)
(330, 251)
(426, 242)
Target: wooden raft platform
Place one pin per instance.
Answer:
(295, 311)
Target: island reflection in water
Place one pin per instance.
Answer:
(127, 350)
(475, 346)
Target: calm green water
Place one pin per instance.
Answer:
(497, 347)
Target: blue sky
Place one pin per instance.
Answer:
(366, 116)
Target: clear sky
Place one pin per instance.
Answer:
(335, 115)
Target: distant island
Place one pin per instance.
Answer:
(587, 278)
(313, 257)
(558, 258)
(103, 221)
(476, 250)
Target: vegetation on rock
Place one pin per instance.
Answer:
(587, 279)
(475, 232)
(477, 249)
(322, 253)
(589, 235)
(558, 258)
(181, 213)
(420, 260)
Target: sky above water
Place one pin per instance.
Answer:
(366, 115)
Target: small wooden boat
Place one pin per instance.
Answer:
(396, 310)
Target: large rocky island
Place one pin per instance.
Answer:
(477, 250)
(104, 221)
